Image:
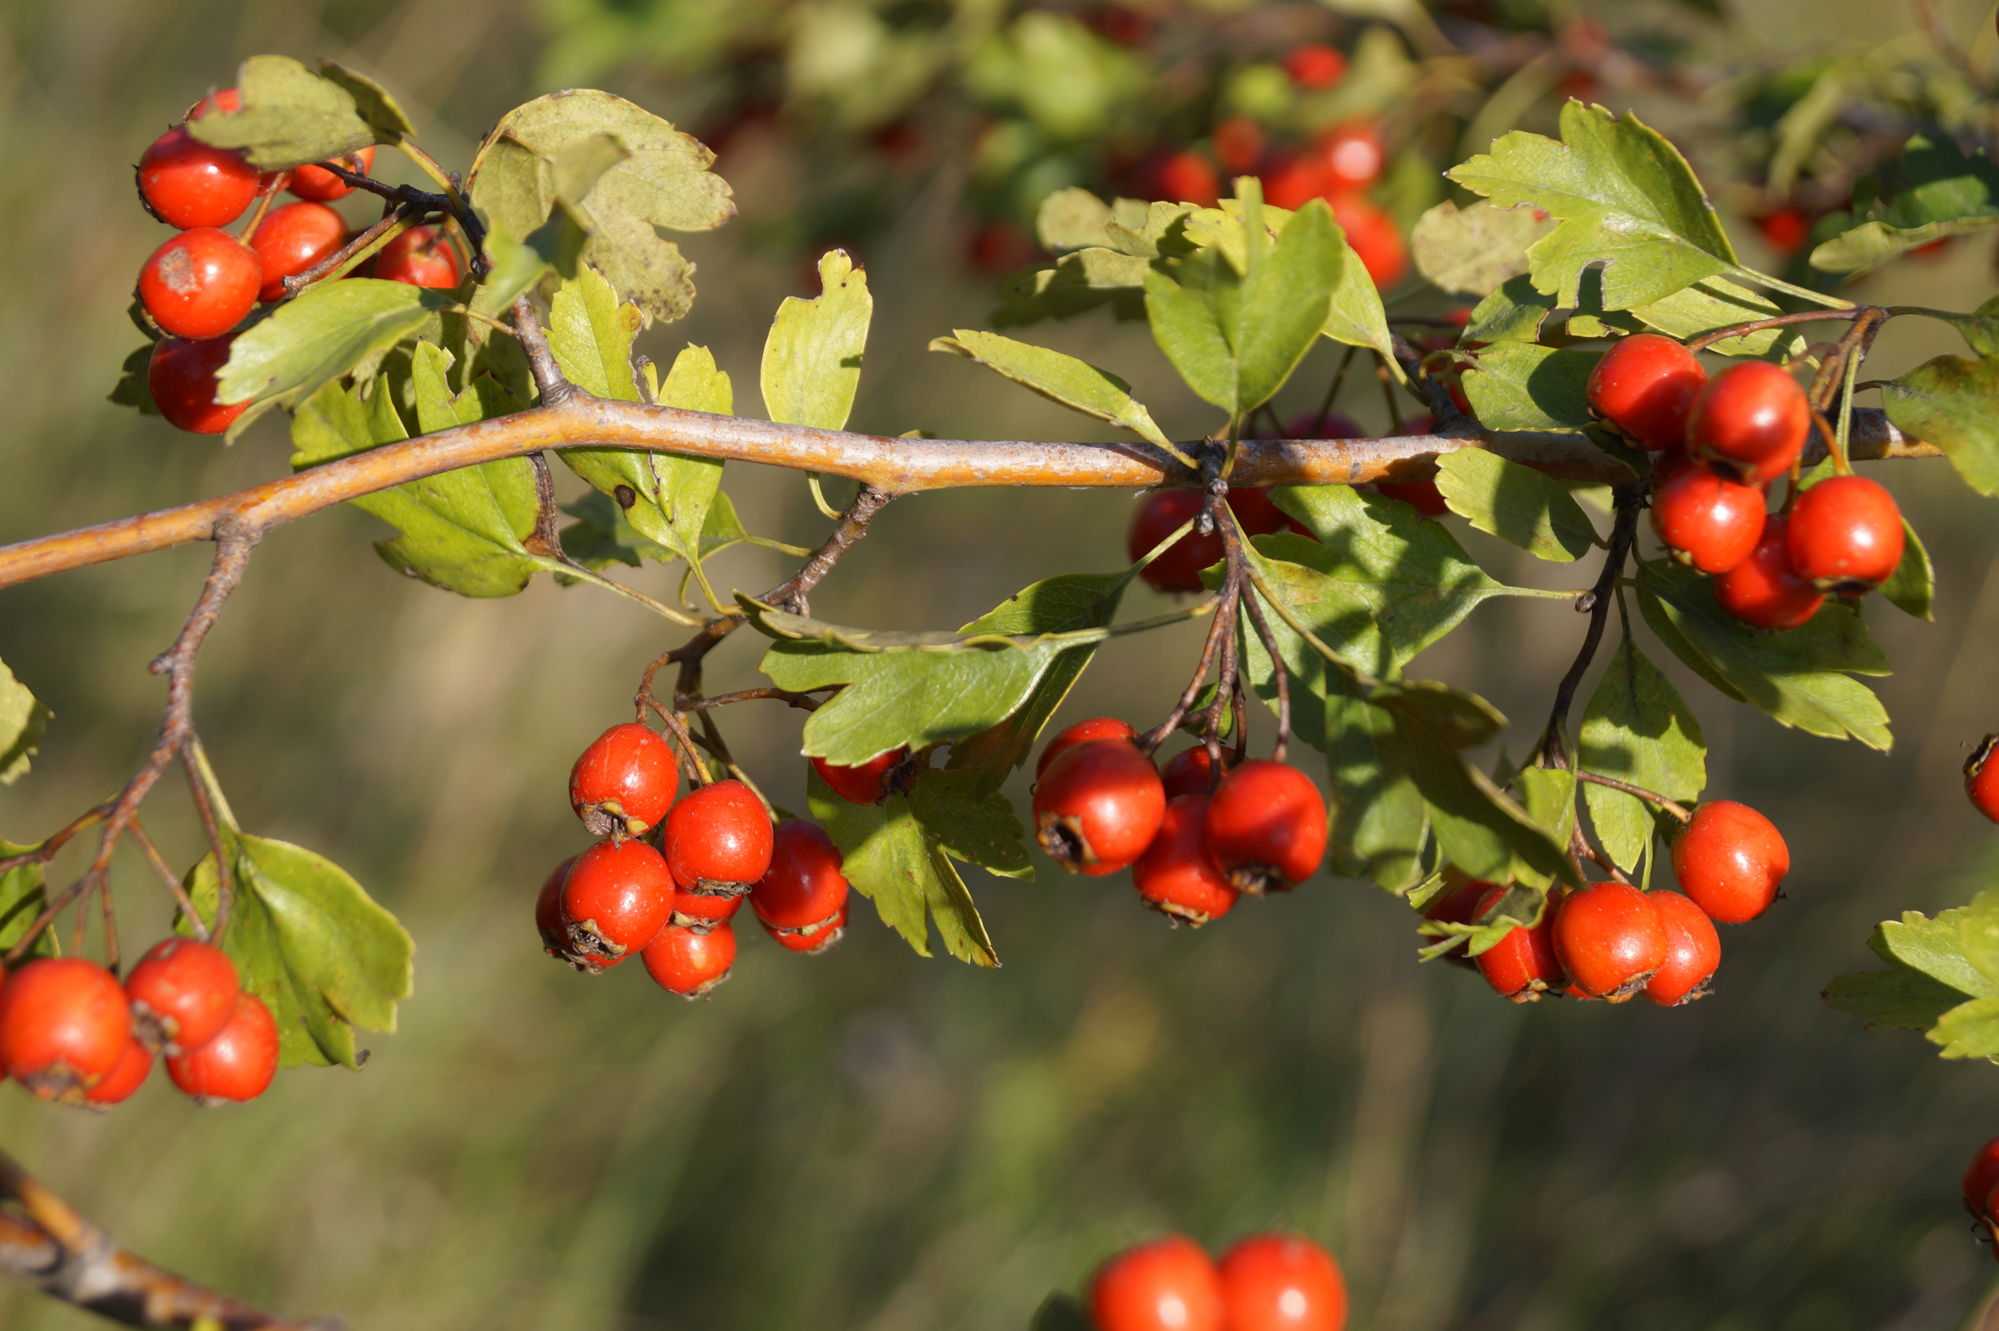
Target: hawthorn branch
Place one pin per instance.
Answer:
(1630, 502)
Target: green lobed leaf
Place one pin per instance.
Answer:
(690, 488)
(1473, 251)
(1059, 377)
(23, 897)
(812, 356)
(384, 116)
(289, 116)
(1902, 999)
(971, 822)
(1514, 386)
(1548, 797)
(308, 940)
(321, 335)
(23, 721)
(1478, 826)
(1978, 937)
(1934, 946)
(1515, 503)
(1719, 303)
(1980, 328)
(1969, 1030)
(1948, 402)
(1637, 729)
(1933, 190)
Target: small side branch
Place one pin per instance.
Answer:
(1596, 602)
(549, 380)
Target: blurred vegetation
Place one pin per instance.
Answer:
(868, 1140)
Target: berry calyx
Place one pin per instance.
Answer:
(1763, 590)
(1981, 777)
(1191, 772)
(421, 256)
(64, 1024)
(863, 783)
(181, 377)
(548, 913)
(1645, 386)
(804, 888)
(1267, 827)
(1522, 965)
(811, 942)
(186, 183)
(1353, 155)
(1707, 520)
(1752, 419)
(125, 1077)
(719, 839)
(182, 992)
(236, 1065)
(292, 239)
(1176, 876)
(1168, 1284)
(690, 964)
(1316, 66)
(615, 899)
(1083, 732)
(1178, 568)
(200, 283)
(1693, 951)
(1846, 535)
(1098, 806)
(624, 781)
(1274, 1282)
(1609, 940)
(322, 186)
(1731, 860)
(702, 911)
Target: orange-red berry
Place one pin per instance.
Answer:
(1752, 419)
(322, 186)
(64, 1024)
(719, 839)
(615, 900)
(863, 783)
(183, 992)
(421, 256)
(1168, 1284)
(804, 888)
(292, 239)
(186, 183)
(1731, 860)
(1707, 520)
(1763, 590)
(1981, 777)
(1645, 386)
(1274, 1282)
(1083, 732)
(1693, 951)
(624, 781)
(1267, 827)
(200, 283)
(1098, 806)
(1846, 535)
(1609, 939)
(1176, 875)
(1522, 965)
(181, 377)
(691, 964)
(238, 1063)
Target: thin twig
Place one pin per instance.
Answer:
(1652, 797)
(170, 880)
(56, 840)
(804, 702)
(1629, 504)
(1278, 669)
(1714, 335)
(204, 807)
(426, 202)
(549, 380)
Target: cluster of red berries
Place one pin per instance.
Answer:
(669, 874)
(69, 1032)
(1612, 941)
(1725, 441)
(1194, 839)
(1981, 1193)
(202, 283)
(1267, 1282)
(1981, 777)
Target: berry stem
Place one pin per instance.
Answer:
(169, 880)
(265, 194)
(1629, 504)
(1730, 331)
(426, 203)
(350, 255)
(804, 702)
(1652, 797)
(215, 814)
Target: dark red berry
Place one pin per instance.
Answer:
(864, 783)
(1267, 827)
(292, 239)
(691, 964)
(1190, 772)
(181, 377)
(1981, 777)
(615, 900)
(421, 256)
(1693, 951)
(1981, 1176)
(1731, 860)
(236, 1065)
(1259, 514)
(183, 992)
(200, 283)
(1609, 940)
(1707, 520)
(719, 839)
(1846, 535)
(1095, 728)
(624, 782)
(811, 942)
(1522, 965)
(1763, 590)
(1178, 568)
(1098, 806)
(1645, 386)
(1176, 876)
(1752, 419)
(186, 183)
(548, 912)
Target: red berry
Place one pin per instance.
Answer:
(1981, 777)
(1176, 876)
(615, 900)
(1422, 495)
(322, 186)
(1083, 732)
(625, 781)
(702, 911)
(421, 256)
(200, 283)
(129, 1074)
(1459, 903)
(1168, 1284)
(1189, 773)
(865, 783)
(812, 942)
(182, 992)
(1293, 180)
(995, 247)
(1693, 951)
(1981, 1177)
(1645, 386)
(1522, 965)
(1259, 514)
(1316, 66)
(225, 100)
(1238, 144)
(1731, 860)
(691, 964)
(1178, 568)
(1610, 940)
(1846, 535)
(64, 1024)
(1098, 806)
(1786, 229)
(548, 913)
(1707, 520)
(1271, 1282)
(719, 839)
(1353, 155)
(181, 377)
(804, 888)
(238, 1063)
(1267, 827)
(1374, 238)
(186, 183)
(292, 239)
(1763, 590)
(1751, 419)
(1187, 177)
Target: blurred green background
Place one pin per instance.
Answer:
(868, 1140)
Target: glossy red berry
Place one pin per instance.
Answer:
(322, 186)
(1763, 590)
(1522, 965)
(421, 256)
(702, 911)
(181, 377)
(1846, 535)
(1981, 777)
(1178, 568)
(1751, 419)
(615, 899)
(548, 912)
(129, 1074)
(864, 783)
(292, 239)
(1353, 155)
(805, 888)
(719, 839)
(1168, 1284)
(1190, 772)
(1374, 238)
(1083, 732)
(186, 183)
(1610, 940)
(811, 942)
(200, 283)
(1707, 520)
(1731, 860)
(1316, 66)
(1176, 876)
(1187, 177)
(1098, 806)
(624, 781)
(1273, 1282)
(183, 992)
(1267, 827)
(691, 964)
(1981, 1176)
(1693, 951)
(64, 1024)
(1645, 386)
(238, 1063)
